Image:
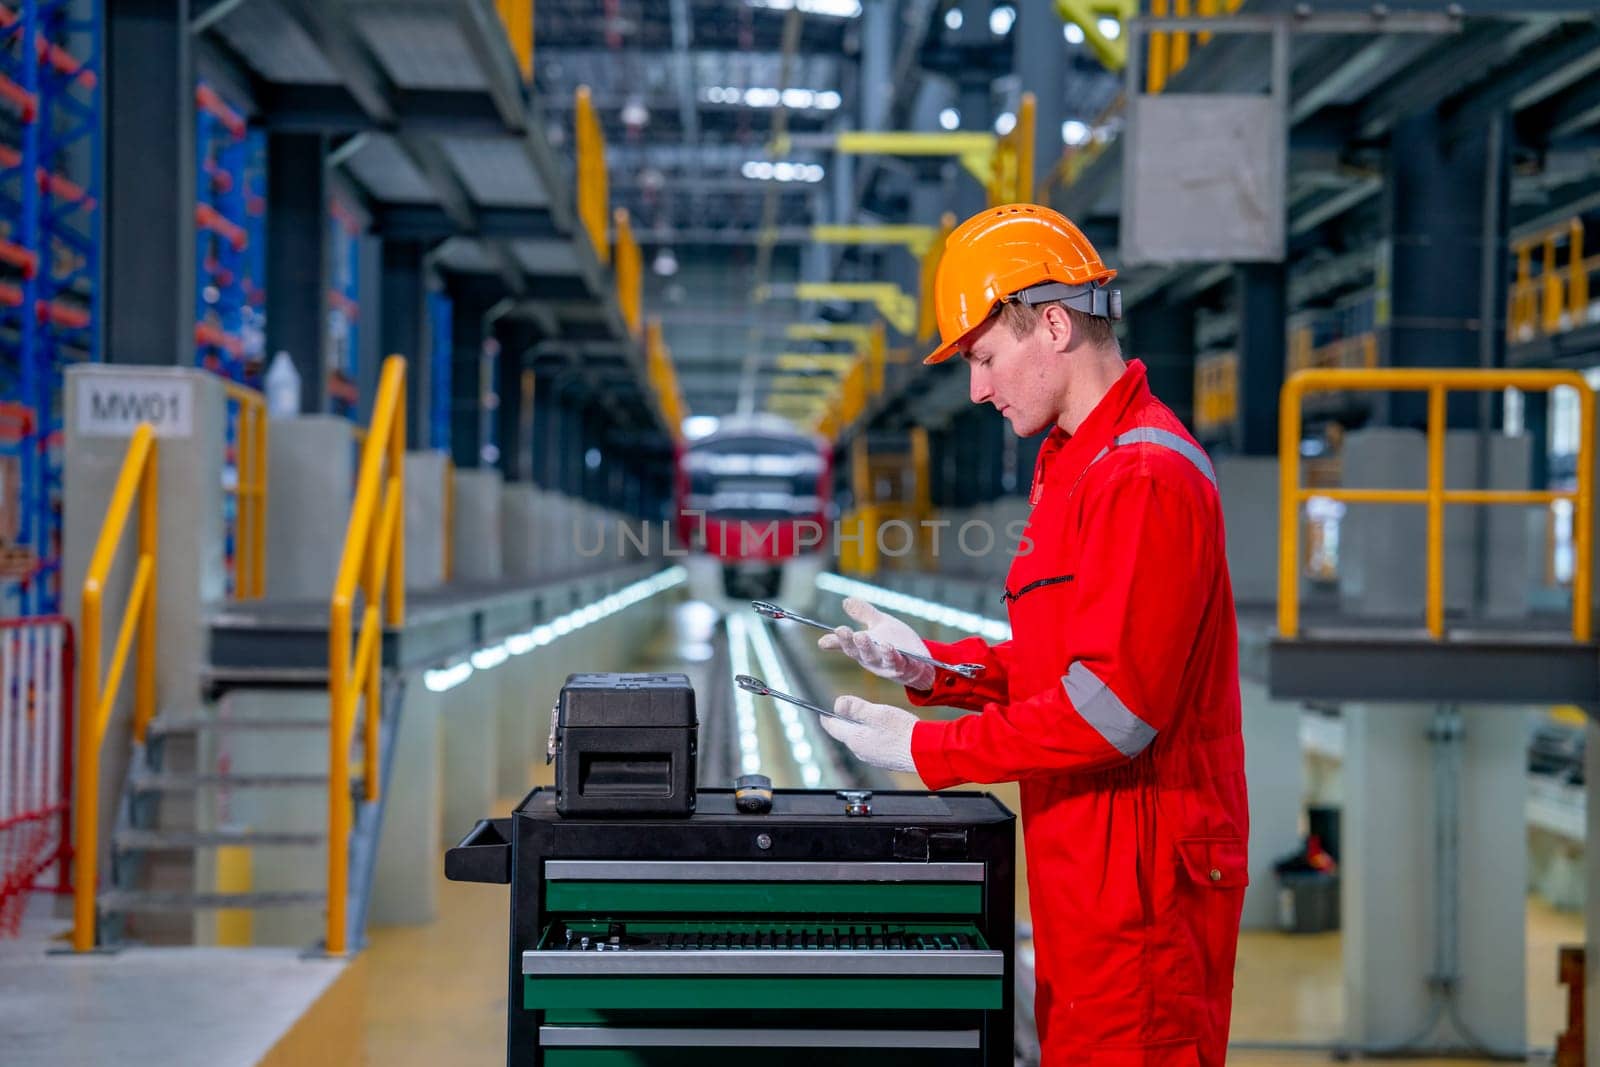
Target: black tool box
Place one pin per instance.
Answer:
(877, 938)
(625, 744)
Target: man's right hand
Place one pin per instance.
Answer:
(879, 647)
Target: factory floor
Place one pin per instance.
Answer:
(436, 993)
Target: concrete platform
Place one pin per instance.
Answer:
(173, 1007)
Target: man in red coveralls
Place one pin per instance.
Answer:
(1115, 704)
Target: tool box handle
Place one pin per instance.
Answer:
(484, 855)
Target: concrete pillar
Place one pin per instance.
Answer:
(521, 726)
(477, 527)
(1249, 489)
(406, 889)
(149, 126)
(1274, 770)
(470, 722)
(310, 479)
(298, 259)
(519, 531)
(190, 576)
(1381, 571)
(1391, 874)
(426, 473)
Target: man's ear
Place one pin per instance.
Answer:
(1058, 327)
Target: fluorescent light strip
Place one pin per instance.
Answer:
(798, 730)
(944, 615)
(744, 704)
(444, 679)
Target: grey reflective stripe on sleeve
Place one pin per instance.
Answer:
(1101, 709)
(1149, 435)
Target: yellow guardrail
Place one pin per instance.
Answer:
(594, 194)
(516, 16)
(1437, 384)
(249, 493)
(1216, 391)
(97, 694)
(1011, 171)
(927, 321)
(663, 376)
(1557, 298)
(374, 557)
(629, 264)
(1169, 49)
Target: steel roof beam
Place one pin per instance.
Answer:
(422, 222)
(334, 109)
(481, 27)
(1566, 61)
(1575, 112)
(1449, 71)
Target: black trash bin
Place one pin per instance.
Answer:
(1308, 901)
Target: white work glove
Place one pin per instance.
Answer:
(878, 647)
(878, 734)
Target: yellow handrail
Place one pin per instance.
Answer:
(374, 557)
(96, 698)
(594, 195)
(629, 266)
(250, 493)
(1436, 383)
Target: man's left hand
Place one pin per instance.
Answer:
(878, 734)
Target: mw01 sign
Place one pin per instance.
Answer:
(112, 406)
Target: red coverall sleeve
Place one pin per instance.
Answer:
(1148, 549)
(952, 690)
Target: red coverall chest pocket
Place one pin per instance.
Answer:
(1217, 861)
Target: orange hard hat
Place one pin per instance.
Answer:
(1020, 252)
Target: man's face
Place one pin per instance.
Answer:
(1023, 377)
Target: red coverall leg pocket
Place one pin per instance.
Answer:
(1210, 897)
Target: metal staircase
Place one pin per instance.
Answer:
(160, 828)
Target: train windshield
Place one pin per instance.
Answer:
(757, 477)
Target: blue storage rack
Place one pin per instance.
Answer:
(50, 165)
(439, 383)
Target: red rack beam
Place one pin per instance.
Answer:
(19, 257)
(220, 178)
(338, 300)
(215, 337)
(25, 102)
(207, 100)
(56, 313)
(54, 184)
(64, 62)
(209, 218)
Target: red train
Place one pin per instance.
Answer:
(755, 508)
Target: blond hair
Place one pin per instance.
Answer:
(1021, 318)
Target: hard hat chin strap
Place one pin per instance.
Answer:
(1092, 299)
